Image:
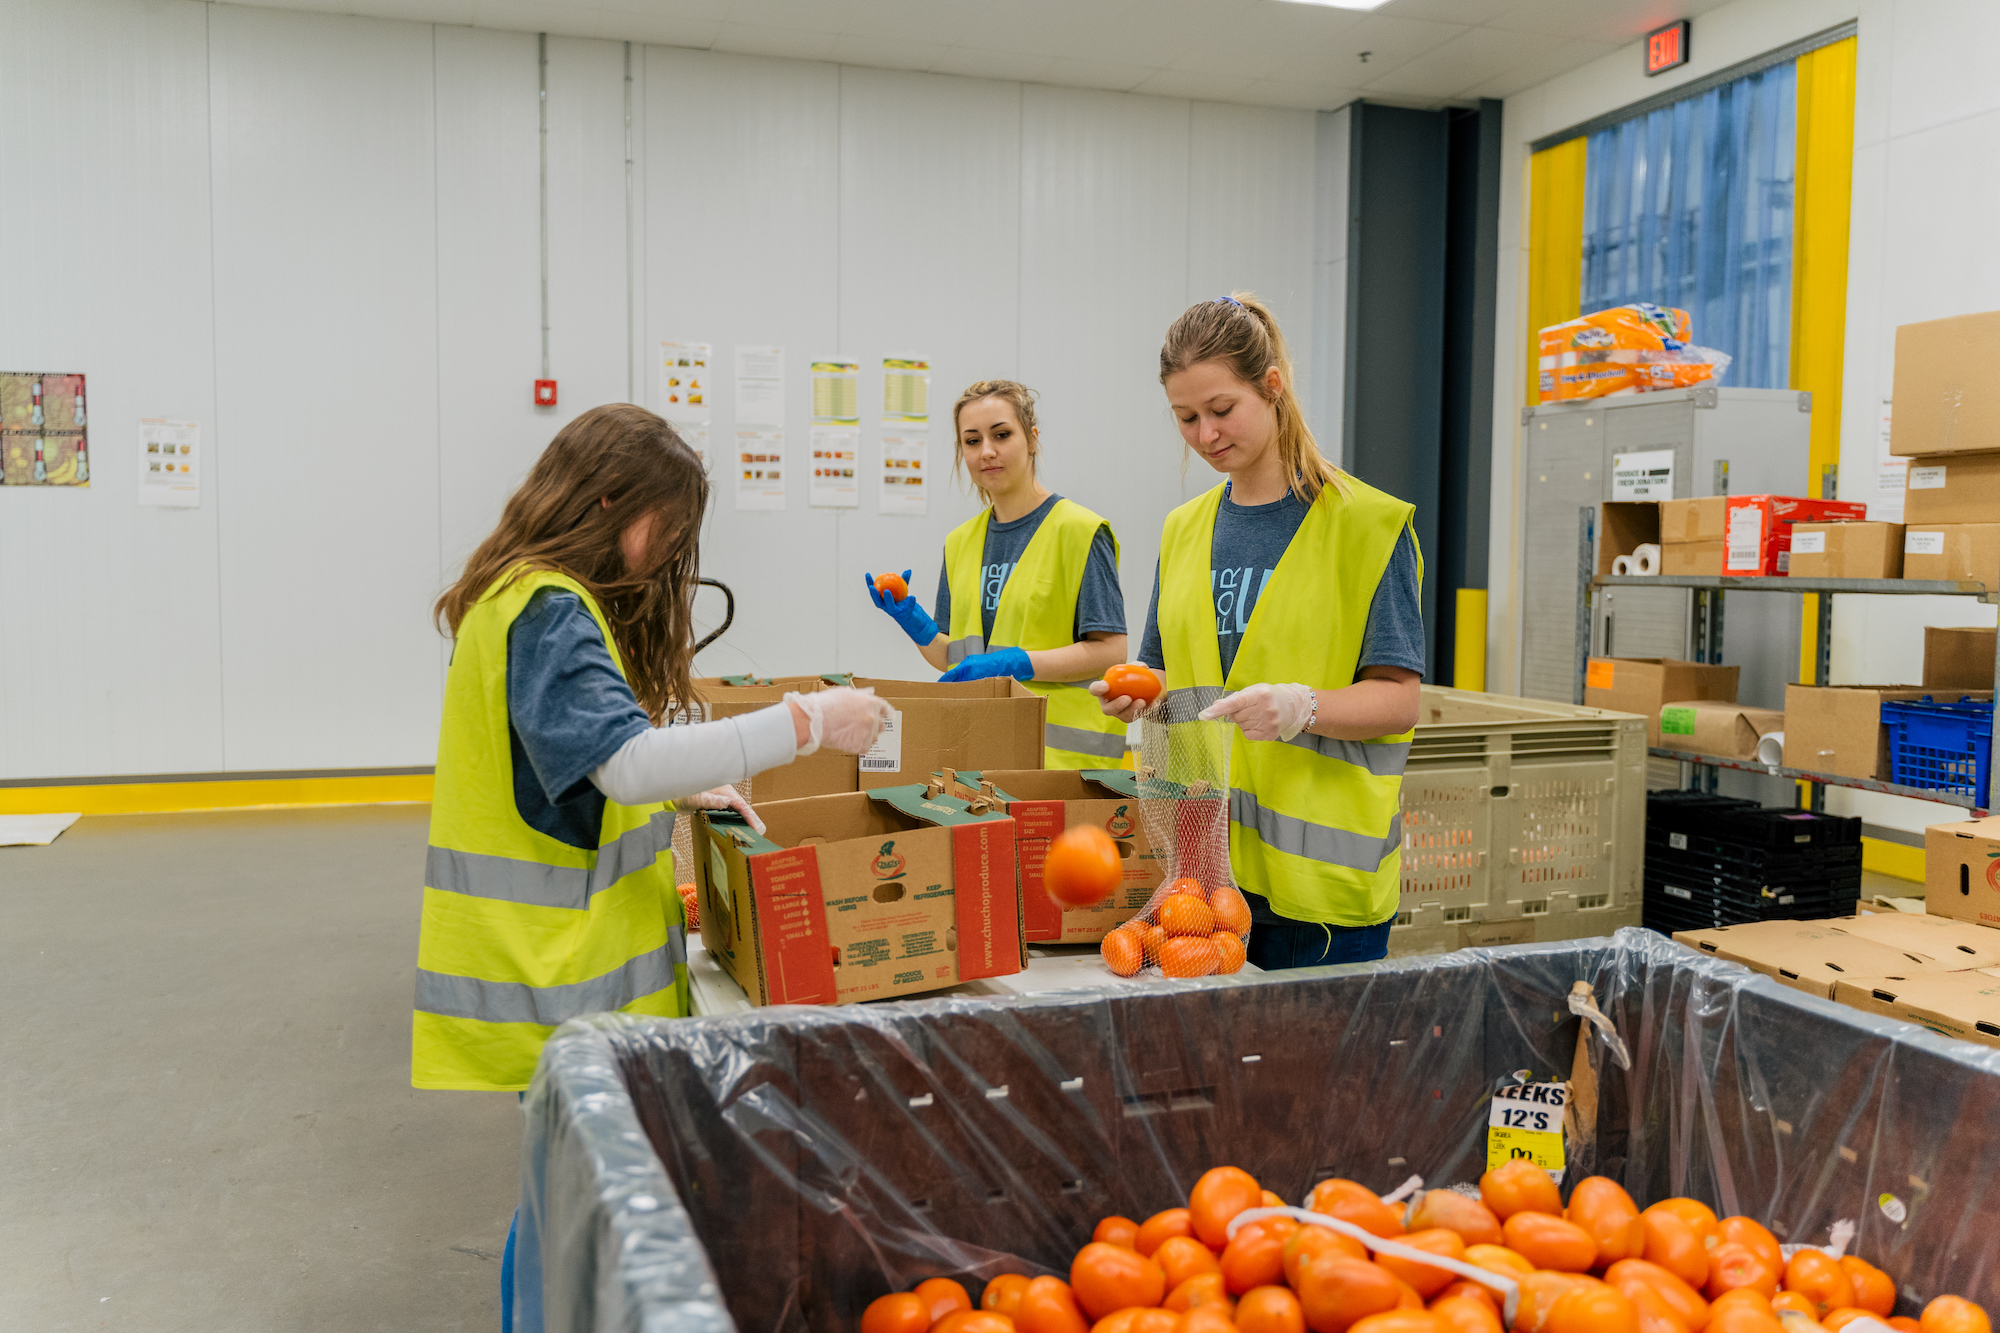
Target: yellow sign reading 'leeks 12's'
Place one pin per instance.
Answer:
(1527, 1121)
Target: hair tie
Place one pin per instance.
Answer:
(1229, 300)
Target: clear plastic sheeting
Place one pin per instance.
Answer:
(793, 1164)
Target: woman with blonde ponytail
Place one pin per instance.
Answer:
(1286, 602)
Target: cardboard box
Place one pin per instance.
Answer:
(1952, 488)
(1760, 529)
(1953, 551)
(1716, 726)
(1838, 728)
(1042, 803)
(1692, 557)
(1623, 526)
(1952, 943)
(1847, 551)
(1702, 520)
(1962, 871)
(963, 724)
(1958, 658)
(1641, 684)
(1965, 1005)
(1807, 955)
(859, 896)
(1946, 397)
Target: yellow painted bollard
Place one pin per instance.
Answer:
(1468, 661)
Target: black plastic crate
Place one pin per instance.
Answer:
(1667, 915)
(1731, 820)
(1673, 842)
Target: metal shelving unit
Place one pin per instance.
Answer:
(1708, 628)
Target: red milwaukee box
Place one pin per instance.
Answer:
(1760, 529)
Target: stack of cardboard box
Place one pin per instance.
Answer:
(1946, 421)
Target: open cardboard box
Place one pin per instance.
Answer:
(1962, 871)
(1044, 802)
(1953, 943)
(1642, 684)
(1958, 657)
(1810, 956)
(1965, 1005)
(859, 896)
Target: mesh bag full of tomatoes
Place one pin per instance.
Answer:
(1510, 1255)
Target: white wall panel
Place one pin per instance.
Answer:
(587, 234)
(326, 369)
(930, 226)
(108, 614)
(742, 240)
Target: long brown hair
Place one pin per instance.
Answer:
(1241, 332)
(1017, 396)
(559, 521)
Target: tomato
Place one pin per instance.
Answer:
(1539, 1293)
(1465, 1289)
(1003, 1293)
(1356, 1203)
(1902, 1323)
(1048, 1307)
(1755, 1236)
(1082, 866)
(1428, 1279)
(1682, 1299)
(1220, 1194)
(1874, 1290)
(974, 1321)
(1819, 1277)
(1334, 1293)
(943, 1296)
(1132, 680)
(1172, 1222)
(1271, 1309)
(1207, 1319)
(900, 1312)
(1838, 1319)
(1184, 914)
(1155, 937)
(1186, 884)
(1674, 1245)
(1107, 1278)
(1255, 1256)
(1116, 1230)
(1201, 1289)
(1123, 950)
(1734, 1265)
(1498, 1259)
(1519, 1186)
(1311, 1244)
(1229, 950)
(1119, 1321)
(1232, 910)
(1472, 1220)
(1655, 1315)
(1592, 1308)
(1272, 1201)
(1550, 1242)
(1748, 1298)
(1743, 1319)
(1954, 1314)
(892, 585)
(1181, 956)
(1698, 1215)
(1182, 1257)
(1398, 1321)
(1796, 1303)
(1156, 1321)
(1466, 1314)
(1601, 1207)
(1406, 1296)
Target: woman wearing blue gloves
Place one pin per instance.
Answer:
(1034, 572)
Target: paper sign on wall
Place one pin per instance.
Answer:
(169, 463)
(684, 383)
(903, 488)
(697, 440)
(836, 391)
(834, 483)
(760, 469)
(906, 390)
(1647, 475)
(1891, 474)
(760, 385)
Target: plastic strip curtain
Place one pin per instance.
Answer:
(1691, 206)
(1555, 247)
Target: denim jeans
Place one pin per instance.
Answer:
(1279, 942)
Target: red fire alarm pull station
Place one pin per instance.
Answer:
(1667, 47)
(545, 393)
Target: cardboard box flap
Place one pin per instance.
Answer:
(921, 803)
(734, 827)
(1952, 943)
(1965, 1005)
(1045, 784)
(1121, 781)
(1808, 956)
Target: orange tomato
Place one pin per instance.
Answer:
(1743, 1319)
(1270, 1309)
(1206, 1319)
(1155, 938)
(1465, 1289)
(1048, 1307)
(1189, 885)
(1003, 1293)
(1116, 1230)
(1220, 1194)
(1954, 1314)
(892, 585)
(1698, 1215)
(1755, 1236)
(1107, 1278)
(1519, 1186)
(1119, 1321)
(1272, 1201)
(974, 1321)
(1819, 1277)
(1466, 1314)
(1123, 950)
(1838, 1319)
(1335, 1293)
(1353, 1202)
(1132, 680)
(1498, 1259)
(1155, 1321)
(899, 1312)
(1181, 956)
(1311, 1244)
(1182, 1257)
(1593, 1308)
(1655, 1315)
(1398, 1321)
(1902, 1323)
(1255, 1255)
(943, 1296)
(1550, 1242)
(1748, 1298)
(1874, 1290)
(1601, 1207)
(1229, 950)
(1674, 1245)
(1734, 1265)
(1232, 910)
(1082, 866)
(1796, 1303)
(1686, 1304)
(1540, 1292)
(1472, 1220)
(1201, 1289)
(1406, 1296)
(1427, 1279)
(1172, 1222)
(1185, 914)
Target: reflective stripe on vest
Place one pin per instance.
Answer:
(1315, 823)
(515, 881)
(513, 1002)
(1037, 611)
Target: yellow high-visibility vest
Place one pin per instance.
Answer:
(1037, 611)
(522, 931)
(1314, 823)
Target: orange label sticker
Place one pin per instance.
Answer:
(1598, 674)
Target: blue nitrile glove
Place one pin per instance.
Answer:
(909, 613)
(985, 666)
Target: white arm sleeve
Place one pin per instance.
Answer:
(666, 763)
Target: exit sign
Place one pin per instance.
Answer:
(1667, 47)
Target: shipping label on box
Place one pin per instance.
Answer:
(1958, 488)
(1962, 871)
(1953, 551)
(1846, 551)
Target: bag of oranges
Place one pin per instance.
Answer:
(1197, 922)
(1638, 348)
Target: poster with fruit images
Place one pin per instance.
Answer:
(836, 454)
(169, 463)
(684, 391)
(760, 468)
(903, 490)
(43, 435)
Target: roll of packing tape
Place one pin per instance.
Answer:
(1771, 749)
(1646, 560)
(1621, 565)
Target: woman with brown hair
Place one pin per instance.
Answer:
(1029, 587)
(1287, 602)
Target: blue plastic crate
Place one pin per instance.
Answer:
(1943, 747)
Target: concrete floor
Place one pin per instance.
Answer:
(206, 1119)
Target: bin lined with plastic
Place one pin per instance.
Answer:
(809, 1162)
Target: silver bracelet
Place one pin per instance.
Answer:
(1314, 715)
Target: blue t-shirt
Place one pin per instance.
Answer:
(568, 710)
(1249, 541)
(1100, 603)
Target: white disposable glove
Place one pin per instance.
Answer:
(721, 798)
(842, 718)
(1125, 708)
(1265, 712)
